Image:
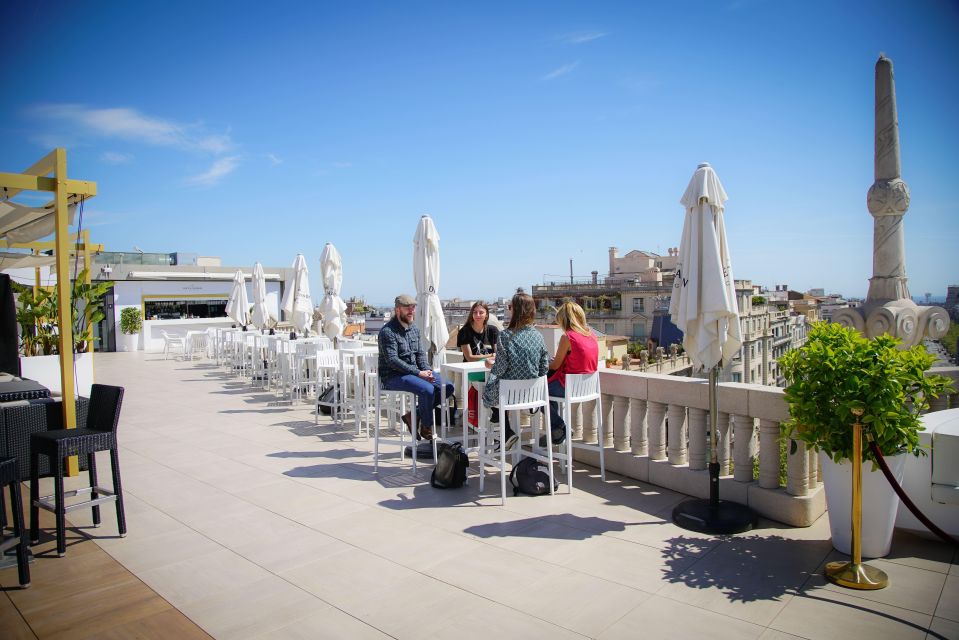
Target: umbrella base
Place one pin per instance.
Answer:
(720, 518)
(424, 451)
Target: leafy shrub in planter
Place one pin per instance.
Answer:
(838, 370)
(130, 320)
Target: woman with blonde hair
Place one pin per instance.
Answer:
(578, 352)
(520, 355)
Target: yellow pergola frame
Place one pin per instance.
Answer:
(36, 178)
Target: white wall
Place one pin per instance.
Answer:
(129, 293)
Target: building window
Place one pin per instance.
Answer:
(639, 305)
(609, 329)
(737, 377)
(178, 309)
(639, 331)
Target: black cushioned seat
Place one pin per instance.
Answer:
(98, 434)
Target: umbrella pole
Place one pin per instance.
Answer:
(712, 515)
(713, 458)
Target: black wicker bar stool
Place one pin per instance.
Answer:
(10, 478)
(99, 434)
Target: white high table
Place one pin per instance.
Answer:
(462, 370)
(350, 362)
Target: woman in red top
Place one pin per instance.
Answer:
(578, 352)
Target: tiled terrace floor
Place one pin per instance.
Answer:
(256, 523)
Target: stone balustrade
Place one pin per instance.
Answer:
(657, 427)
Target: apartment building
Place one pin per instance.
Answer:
(632, 300)
(625, 301)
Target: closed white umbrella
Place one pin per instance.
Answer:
(703, 306)
(332, 307)
(297, 303)
(426, 277)
(262, 318)
(238, 306)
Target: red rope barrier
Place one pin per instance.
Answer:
(905, 498)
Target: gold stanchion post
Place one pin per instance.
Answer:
(854, 574)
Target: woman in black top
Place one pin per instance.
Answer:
(477, 338)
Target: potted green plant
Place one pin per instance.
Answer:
(131, 322)
(836, 371)
(39, 330)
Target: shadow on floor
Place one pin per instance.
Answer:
(745, 568)
(558, 526)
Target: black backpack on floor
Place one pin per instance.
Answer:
(329, 396)
(530, 476)
(449, 472)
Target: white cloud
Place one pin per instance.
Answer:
(212, 176)
(130, 124)
(561, 71)
(116, 157)
(581, 37)
(274, 159)
(342, 165)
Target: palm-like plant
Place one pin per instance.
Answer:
(38, 320)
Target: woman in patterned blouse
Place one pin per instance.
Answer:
(520, 355)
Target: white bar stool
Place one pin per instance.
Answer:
(516, 395)
(580, 388)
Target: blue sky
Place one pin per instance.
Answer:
(532, 132)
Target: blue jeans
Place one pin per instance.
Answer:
(556, 390)
(428, 394)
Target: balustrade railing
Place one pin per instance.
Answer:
(655, 420)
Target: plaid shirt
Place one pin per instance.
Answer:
(520, 355)
(401, 352)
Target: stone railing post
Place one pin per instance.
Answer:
(637, 427)
(697, 438)
(656, 422)
(743, 429)
(797, 471)
(768, 454)
(617, 434)
(576, 422)
(722, 442)
(676, 435)
(605, 414)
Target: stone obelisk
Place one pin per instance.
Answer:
(889, 307)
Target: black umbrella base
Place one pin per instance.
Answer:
(722, 518)
(424, 451)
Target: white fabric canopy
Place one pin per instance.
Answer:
(703, 304)
(15, 260)
(426, 276)
(238, 306)
(20, 223)
(262, 318)
(297, 303)
(332, 307)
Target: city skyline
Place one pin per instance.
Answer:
(534, 134)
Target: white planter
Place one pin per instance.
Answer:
(46, 371)
(879, 504)
(128, 341)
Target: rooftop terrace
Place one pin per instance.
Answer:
(256, 523)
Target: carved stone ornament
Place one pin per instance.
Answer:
(888, 198)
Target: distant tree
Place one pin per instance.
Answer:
(949, 340)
